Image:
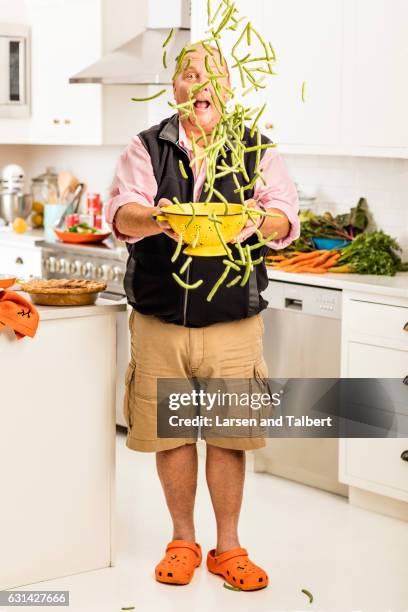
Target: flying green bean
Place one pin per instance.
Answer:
(159, 93)
(178, 249)
(186, 265)
(183, 170)
(186, 285)
(308, 594)
(218, 284)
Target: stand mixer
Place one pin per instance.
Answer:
(13, 201)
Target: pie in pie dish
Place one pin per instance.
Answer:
(63, 291)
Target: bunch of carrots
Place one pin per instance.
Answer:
(315, 262)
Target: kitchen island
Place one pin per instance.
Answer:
(57, 444)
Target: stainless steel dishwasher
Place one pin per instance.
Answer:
(302, 340)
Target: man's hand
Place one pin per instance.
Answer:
(164, 225)
(277, 226)
(250, 226)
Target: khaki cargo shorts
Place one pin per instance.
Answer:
(165, 350)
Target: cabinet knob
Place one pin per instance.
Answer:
(404, 455)
(406, 327)
(19, 260)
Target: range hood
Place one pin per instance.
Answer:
(139, 61)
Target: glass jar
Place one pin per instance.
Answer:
(44, 189)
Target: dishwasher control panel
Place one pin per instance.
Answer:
(306, 299)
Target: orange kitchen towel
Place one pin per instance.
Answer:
(18, 313)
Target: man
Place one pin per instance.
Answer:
(178, 334)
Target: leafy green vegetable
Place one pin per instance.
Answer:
(373, 253)
(341, 227)
(82, 228)
(356, 219)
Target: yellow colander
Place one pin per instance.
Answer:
(198, 230)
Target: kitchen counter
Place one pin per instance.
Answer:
(30, 238)
(393, 286)
(101, 307)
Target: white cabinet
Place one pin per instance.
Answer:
(375, 345)
(65, 37)
(57, 439)
(307, 37)
(352, 56)
(20, 260)
(375, 58)
(298, 30)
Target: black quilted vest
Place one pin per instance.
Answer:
(149, 285)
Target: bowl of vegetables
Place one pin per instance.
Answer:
(80, 233)
(205, 228)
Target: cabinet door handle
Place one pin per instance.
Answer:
(404, 455)
(406, 327)
(19, 260)
(56, 121)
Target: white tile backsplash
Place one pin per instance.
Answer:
(339, 182)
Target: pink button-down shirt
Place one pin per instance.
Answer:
(134, 181)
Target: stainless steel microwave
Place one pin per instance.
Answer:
(14, 70)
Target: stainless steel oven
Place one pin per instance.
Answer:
(14, 70)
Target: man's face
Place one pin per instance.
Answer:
(206, 104)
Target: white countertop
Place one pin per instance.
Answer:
(396, 286)
(101, 306)
(30, 238)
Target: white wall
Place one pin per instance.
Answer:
(339, 182)
(93, 165)
(13, 11)
(14, 154)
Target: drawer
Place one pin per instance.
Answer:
(20, 262)
(380, 320)
(371, 361)
(378, 462)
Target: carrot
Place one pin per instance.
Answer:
(322, 258)
(312, 270)
(299, 258)
(305, 256)
(342, 269)
(285, 269)
(331, 261)
(275, 258)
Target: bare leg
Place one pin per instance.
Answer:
(177, 470)
(225, 470)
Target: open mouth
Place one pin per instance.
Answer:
(201, 105)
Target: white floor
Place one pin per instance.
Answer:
(350, 559)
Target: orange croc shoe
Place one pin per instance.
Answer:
(237, 569)
(179, 562)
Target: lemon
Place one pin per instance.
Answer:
(38, 207)
(37, 220)
(20, 226)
